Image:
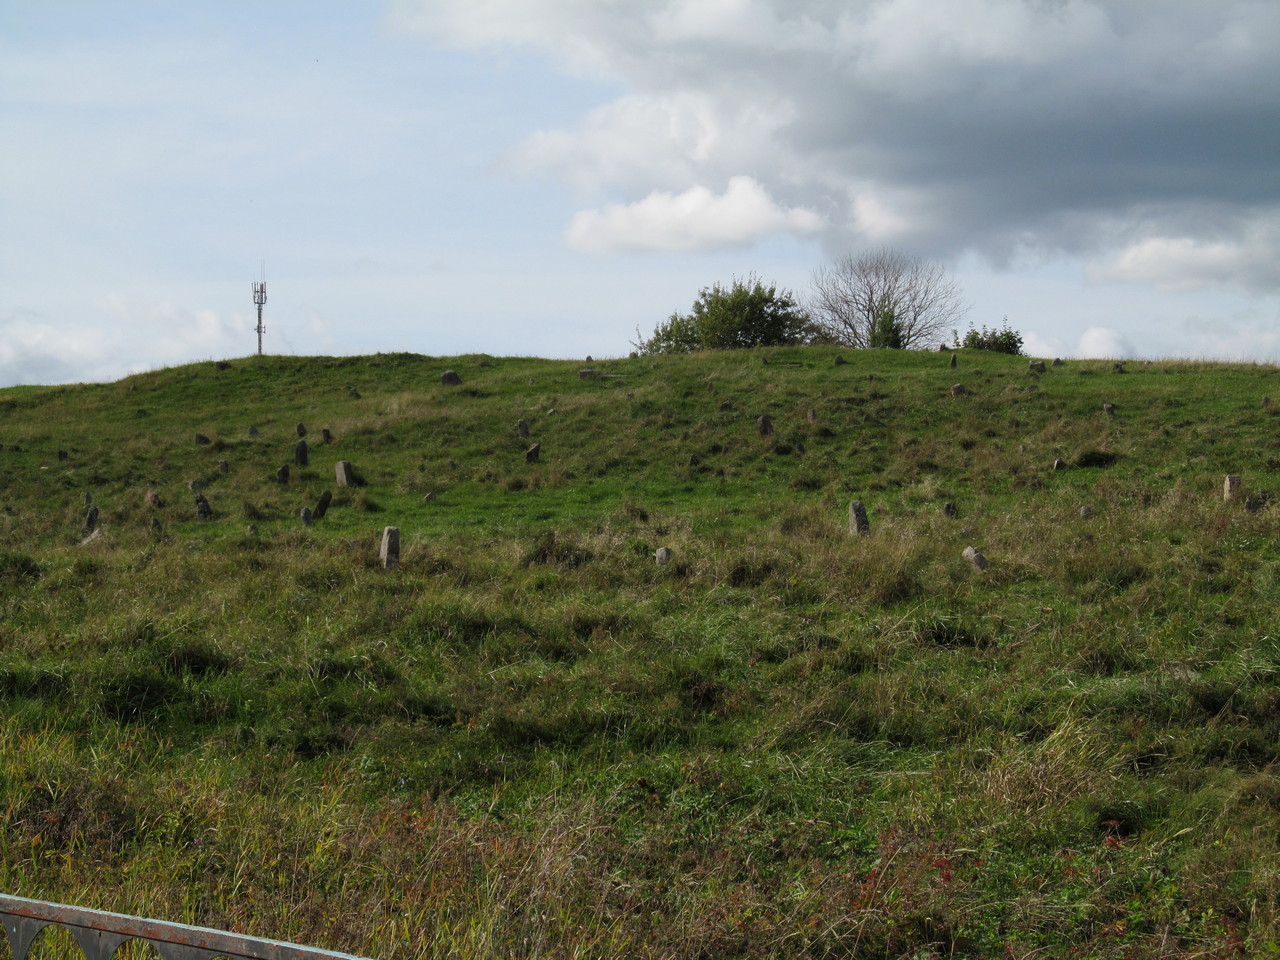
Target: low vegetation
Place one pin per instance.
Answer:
(532, 739)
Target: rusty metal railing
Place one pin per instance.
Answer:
(100, 934)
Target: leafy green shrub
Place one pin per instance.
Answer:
(746, 314)
(1002, 340)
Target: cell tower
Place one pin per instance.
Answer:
(260, 297)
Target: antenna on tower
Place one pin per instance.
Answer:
(260, 297)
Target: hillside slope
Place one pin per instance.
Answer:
(531, 738)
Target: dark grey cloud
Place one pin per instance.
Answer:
(1118, 131)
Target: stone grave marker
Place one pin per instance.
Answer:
(522, 428)
(344, 475)
(1109, 409)
(1086, 512)
(1057, 362)
(1059, 464)
(201, 439)
(949, 510)
(353, 393)
(322, 506)
(1231, 485)
(389, 552)
(663, 556)
(300, 429)
(282, 475)
(90, 522)
(300, 453)
(587, 374)
(305, 514)
(450, 378)
(764, 424)
(726, 406)
(63, 455)
(224, 467)
(533, 454)
(253, 431)
(840, 360)
(957, 390)
(975, 557)
(1036, 366)
(953, 361)
(196, 485)
(203, 510)
(153, 499)
(1118, 367)
(325, 435)
(859, 525)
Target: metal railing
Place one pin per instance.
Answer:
(100, 934)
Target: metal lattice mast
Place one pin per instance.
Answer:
(260, 297)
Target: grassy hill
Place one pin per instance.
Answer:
(532, 739)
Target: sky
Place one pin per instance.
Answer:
(556, 177)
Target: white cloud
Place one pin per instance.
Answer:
(1104, 343)
(694, 220)
(1250, 259)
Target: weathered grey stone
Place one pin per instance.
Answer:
(88, 498)
(949, 510)
(305, 514)
(954, 361)
(859, 525)
(957, 390)
(663, 556)
(552, 412)
(522, 428)
(222, 365)
(282, 475)
(840, 360)
(1118, 367)
(253, 431)
(300, 429)
(389, 553)
(1086, 512)
(353, 393)
(325, 435)
(153, 499)
(224, 467)
(726, 406)
(343, 474)
(764, 424)
(450, 378)
(91, 537)
(300, 453)
(203, 510)
(196, 485)
(63, 455)
(587, 374)
(1109, 409)
(201, 439)
(975, 557)
(322, 506)
(90, 522)
(431, 495)
(1036, 366)
(1059, 464)
(251, 529)
(533, 454)
(1057, 362)
(589, 360)
(1231, 486)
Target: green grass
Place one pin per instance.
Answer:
(530, 739)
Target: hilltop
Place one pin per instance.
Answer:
(532, 738)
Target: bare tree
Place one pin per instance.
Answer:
(885, 298)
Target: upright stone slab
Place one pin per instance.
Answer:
(1059, 464)
(663, 556)
(300, 429)
(812, 415)
(305, 514)
(957, 390)
(1118, 367)
(1086, 512)
(322, 506)
(300, 453)
(1231, 486)
(533, 454)
(202, 440)
(203, 510)
(389, 553)
(975, 557)
(344, 475)
(153, 499)
(90, 521)
(224, 467)
(1057, 362)
(726, 406)
(253, 431)
(764, 424)
(949, 510)
(353, 393)
(840, 360)
(1109, 409)
(1036, 366)
(522, 428)
(63, 455)
(953, 361)
(859, 525)
(282, 475)
(450, 378)
(325, 435)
